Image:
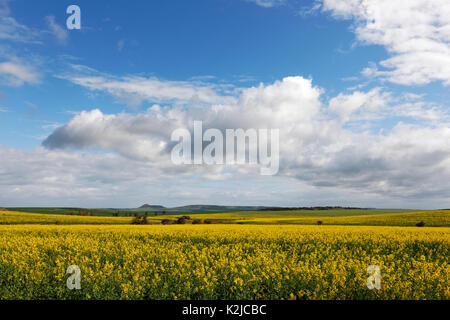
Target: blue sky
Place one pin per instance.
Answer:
(383, 86)
(236, 42)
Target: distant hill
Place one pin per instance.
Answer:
(156, 207)
(197, 208)
(311, 208)
(202, 207)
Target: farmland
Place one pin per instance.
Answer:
(242, 255)
(223, 262)
(14, 217)
(436, 218)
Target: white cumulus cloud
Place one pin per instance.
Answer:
(416, 34)
(317, 147)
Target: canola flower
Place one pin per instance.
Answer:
(223, 262)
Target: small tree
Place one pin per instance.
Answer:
(139, 220)
(181, 220)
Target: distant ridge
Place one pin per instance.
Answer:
(310, 208)
(203, 207)
(197, 208)
(147, 206)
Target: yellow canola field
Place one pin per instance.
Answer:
(15, 217)
(434, 218)
(223, 262)
(430, 218)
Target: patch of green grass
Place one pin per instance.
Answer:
(105, 212)
(319, 213)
